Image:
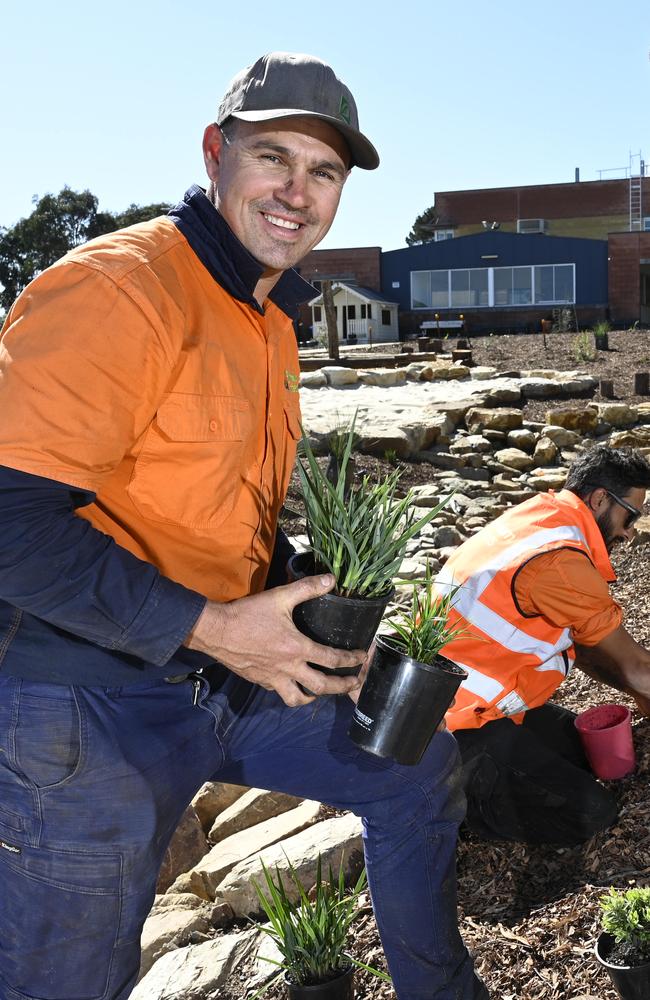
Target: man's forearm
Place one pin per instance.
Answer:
(60, 568)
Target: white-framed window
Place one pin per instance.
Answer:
(531, 225)
(385, 317)
(464, 288)
(443, 234)
(366, 310)
(646, 224)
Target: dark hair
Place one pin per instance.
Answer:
(615, 469)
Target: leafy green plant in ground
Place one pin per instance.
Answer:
(583, 349)
(311, 933)
(359, 534)
(423, 629)
(626, 916)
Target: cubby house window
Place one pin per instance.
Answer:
(385, 317)
(318, 315)
(366, 310)
(541, 284)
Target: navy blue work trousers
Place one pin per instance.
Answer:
(93, 782)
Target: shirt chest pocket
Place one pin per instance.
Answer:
(193, 460)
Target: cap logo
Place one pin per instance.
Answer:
(344, 109)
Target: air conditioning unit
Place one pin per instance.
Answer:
(531, 225)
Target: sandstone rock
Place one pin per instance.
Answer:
(506, 485)
(499, 419)
(643, 412)
(522, 439)
(545, 479)
(470, 444)
(617, 414)
(445, 371)
(440, 459)
(447, 535)
(385, 377)
(482, 372)
(255, 806)
(212, 798)
(514, 458)
(313, 380)
(560, 436)
(412, 569)
(420, 371)
(583, 420)
(540, 388)
(229, 852)
(339, 376)
(187, 846)
(501, 395)
(495, 437)
(335, 839)
(168, 927)
(636, 437)
(545, 452)
(197, 972)
(576, 385)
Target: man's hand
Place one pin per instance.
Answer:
(256, 638)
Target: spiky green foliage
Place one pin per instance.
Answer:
(626, 916)
(423, 629)
(359, 534)
(311, 933)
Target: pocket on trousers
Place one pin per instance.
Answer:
(58, 921)
(47, 738)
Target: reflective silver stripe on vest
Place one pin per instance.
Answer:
(482, 685)
(467, 598)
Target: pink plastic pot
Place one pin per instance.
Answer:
(606, 736)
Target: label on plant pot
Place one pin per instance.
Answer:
(362, 720)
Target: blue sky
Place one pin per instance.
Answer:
(114, 96)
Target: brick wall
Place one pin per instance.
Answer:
(626, 250)
(362, 264)
(584, 199)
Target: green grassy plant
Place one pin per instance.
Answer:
(626, 916)
(360, 533)
(423, 629)
(311, 933)
(583, 349)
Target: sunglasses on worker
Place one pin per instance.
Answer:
(633, 512)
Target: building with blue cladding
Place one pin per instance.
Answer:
(497, 280)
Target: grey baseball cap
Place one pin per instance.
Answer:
(282, 84)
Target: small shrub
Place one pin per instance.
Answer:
(602, 329)
(583, 349)
(626, 916)
(390, 455)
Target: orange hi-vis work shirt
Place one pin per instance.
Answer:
(129, 371)
(517, 656)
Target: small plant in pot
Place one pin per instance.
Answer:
(359, 533)
(311, 933)
(409, 685)
(624, 944)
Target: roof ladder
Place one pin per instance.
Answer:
(636, 191)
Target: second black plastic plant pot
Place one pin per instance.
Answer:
(340, 988)
(402, 703)
(332, 620)
(631, 982)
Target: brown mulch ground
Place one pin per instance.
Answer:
(530, 914)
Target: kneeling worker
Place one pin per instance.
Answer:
(533, 585)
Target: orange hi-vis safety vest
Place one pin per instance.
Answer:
(520, 659)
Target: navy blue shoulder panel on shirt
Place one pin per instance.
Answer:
(229, 262)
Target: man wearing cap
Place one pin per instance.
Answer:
(149, 425)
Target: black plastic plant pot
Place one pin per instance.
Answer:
(340, 988)
(631, 982)
(402, 703)
(332, 620)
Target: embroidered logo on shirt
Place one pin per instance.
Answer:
(10, 847)
(291, 381)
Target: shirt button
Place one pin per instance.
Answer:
(213, 425)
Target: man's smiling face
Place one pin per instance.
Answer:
(277, 184)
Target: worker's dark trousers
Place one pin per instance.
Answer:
(531, 782)
(93, 782)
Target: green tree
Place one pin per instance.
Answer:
(57, 224)
(423, 227)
